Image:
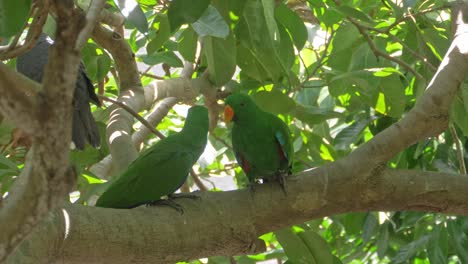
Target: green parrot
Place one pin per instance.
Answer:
(162, 168)
(261, 141)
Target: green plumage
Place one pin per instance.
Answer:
(261, 141)
(161, 169)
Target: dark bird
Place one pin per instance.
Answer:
(84, 129)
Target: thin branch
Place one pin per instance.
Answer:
(402, 43)
(134, 114)
(92, 17)
(197, 181)
(151, 76)
(35, 29)
(379, 53)
(419, 13)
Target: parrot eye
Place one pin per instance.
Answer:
(241, 104)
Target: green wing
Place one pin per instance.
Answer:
(159, 171)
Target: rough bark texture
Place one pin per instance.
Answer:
(228, 223)
(225, 223)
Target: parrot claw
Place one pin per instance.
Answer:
(192, 195)
(281, 178)
(251, 187)
(168, 202)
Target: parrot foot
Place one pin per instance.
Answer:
(251, 187)
(168, 202)
(281, 178)
(192, 195)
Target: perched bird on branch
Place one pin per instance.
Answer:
(84, 129)
(161, 169)
(261, 141)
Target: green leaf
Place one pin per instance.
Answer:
(6, 164)
(354, 13)
(103, 66)
(185, 11)
(13, 16)
(92, 179)
(369, 228)
(458, 114)
(313, 115)
(167, 57)
(274, 102)
(294, 247)
(187, 45)
(382, 240)
(221, 58)
(318, 247)
(132, 11)
(459, 240)
(211, 23)
(163, 33)
(437, 245)
(409, 250)
(350, 135)
(345, 37)
(260, 42)
(293, 24)
(392, 98)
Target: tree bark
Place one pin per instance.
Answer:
(228, 223)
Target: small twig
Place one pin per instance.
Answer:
(134, 114)
(185, 187)
(197, 181)
(322, 58)
(35, 29)
(151, 76)
(91, 19)
(403, 44)
(379, 53)
(461, 159)
(412, 15)
(221, 140)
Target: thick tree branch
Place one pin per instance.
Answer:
(46, 178)
(228, 223)
(17, 102)
(120, 123)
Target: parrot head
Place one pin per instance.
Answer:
(197, 117)
(238, 106)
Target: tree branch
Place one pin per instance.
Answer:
(228, 223)
(46, 178)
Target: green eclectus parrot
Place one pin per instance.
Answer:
(161, 169)
(261, 141)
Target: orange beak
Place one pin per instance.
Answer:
(228, 114)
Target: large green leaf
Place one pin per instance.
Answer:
(13, 15)
(437, 246)
(459, 240)
(187, 45)
(132, 11)
(211, 23)
(185, 11)
(167, 57)
(293, 23)
(274, 101)
(318, 247)
(410, 249)
(221, 58)
(294, 247)
(163, 33)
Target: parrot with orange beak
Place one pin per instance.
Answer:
(261, 141)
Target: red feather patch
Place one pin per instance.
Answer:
(281, 152)
(245, 164)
